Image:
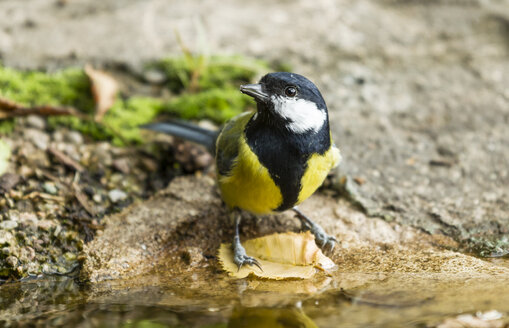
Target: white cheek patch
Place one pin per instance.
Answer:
(303, 115)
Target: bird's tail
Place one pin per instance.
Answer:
(186, 131)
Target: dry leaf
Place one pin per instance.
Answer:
(281, 256)
(104, 90)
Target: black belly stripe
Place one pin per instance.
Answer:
(285, 156)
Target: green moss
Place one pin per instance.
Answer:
(68, 87)
(71, 87)
(6, 126)
(208, 86)
(488, 247)
(120, 124)
(205, 87)
(124, 118)
(218, 105)
(199, 73)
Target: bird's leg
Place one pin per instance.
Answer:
(239, 253)
(323, 240)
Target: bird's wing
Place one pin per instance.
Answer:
(227, 146)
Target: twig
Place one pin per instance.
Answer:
(66, 160)
(36, 194)
(82, 199)
(9, 108)
(6, 104)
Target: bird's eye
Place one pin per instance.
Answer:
(291, 91)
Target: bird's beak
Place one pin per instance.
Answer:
(254, 90)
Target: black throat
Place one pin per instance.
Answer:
(283, 152)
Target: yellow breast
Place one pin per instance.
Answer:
(249, 185)
(318, 168)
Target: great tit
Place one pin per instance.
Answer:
(271, 159)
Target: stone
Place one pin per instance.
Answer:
(8, 181)
(74, 137)
(154, 76)
(8, 225)
(11, 261)
(6, 251)
(38, 138)
(117, 195)
(70, 257)
(173, 232)
(50, 188)
(97, 198)
(123, 164)
(36, 122)
(6, 238)
(45, 225)
(58, 136)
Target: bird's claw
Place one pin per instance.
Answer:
(326, 243)
(323, 240)
(241, 259)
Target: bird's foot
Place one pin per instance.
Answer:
(240, 257)
(322, 239)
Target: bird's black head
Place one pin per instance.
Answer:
(291, 100)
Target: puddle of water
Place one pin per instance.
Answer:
(209, 299)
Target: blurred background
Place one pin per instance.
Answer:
(417, 94)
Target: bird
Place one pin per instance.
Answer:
(270, 159)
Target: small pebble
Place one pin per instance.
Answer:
(116, 195)
(50, 188)
(26, 171)
(8, 225)
(122, 164)
(154, 76)
(6, 238)
(45, 225)
(70, 257)
(74, 137)
(97, 198)
(38, 138)
(11, 261)
(35, 121)
(58, 136)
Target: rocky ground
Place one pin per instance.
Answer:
(61, 184)
(425, 79)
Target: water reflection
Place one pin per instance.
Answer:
(293, 317)
(349, 299)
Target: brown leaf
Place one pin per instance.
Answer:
(104, 89)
